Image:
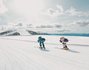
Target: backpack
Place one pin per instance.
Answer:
(66, 40)
(43, 39)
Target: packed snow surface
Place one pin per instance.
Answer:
(22, 53)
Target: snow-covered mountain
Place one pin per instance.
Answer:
(22, 53)
(23, 31)
(19, 31)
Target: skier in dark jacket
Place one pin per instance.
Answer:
(64, 40)
(41, 42)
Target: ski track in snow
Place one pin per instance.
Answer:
(21, 55)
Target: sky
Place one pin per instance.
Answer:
(70, 15)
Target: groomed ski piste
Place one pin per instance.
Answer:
(22, 53)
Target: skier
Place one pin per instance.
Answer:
(41, 42)
(64, 40)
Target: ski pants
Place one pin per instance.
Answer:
(64, 45)
(42, 45)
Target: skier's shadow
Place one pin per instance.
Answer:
(70, 50)
(44, 50)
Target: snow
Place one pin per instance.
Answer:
(22, 53)
(23, 31)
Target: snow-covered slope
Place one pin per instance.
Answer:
(22, 53)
